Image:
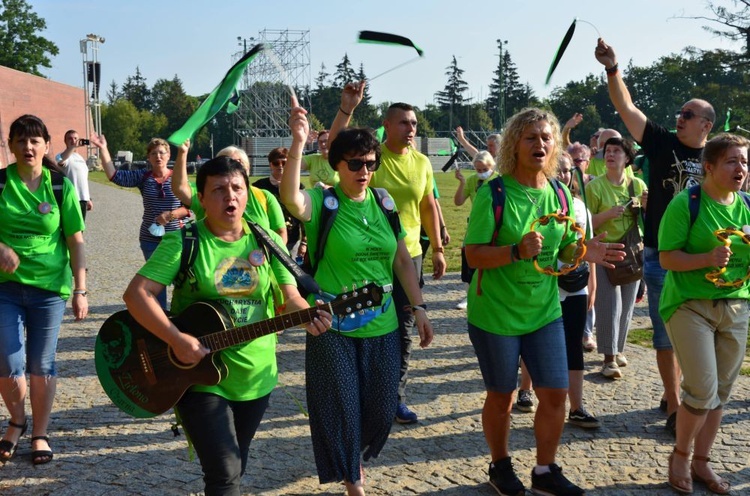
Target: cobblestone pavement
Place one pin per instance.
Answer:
(99, 450)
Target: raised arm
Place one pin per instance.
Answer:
(180, 185)
(296, 201)
(568, 127)
(461, 137)
(350, 98)
(631, 116)
(99, 141)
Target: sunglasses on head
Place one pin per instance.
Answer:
(355, 164)
(688, 114)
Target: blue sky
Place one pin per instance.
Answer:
(196, 39)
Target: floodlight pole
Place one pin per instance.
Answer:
(92, 84)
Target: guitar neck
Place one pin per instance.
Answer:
(218, 341)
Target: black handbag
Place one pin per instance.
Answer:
(575, 280)
(630, 269)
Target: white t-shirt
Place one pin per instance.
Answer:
(583, 218)
(78, 172)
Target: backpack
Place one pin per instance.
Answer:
(57, 187)
(497, 188)
(328, 216)
(694, 202)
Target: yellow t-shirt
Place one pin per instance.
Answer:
(408, 178)
(320, 170)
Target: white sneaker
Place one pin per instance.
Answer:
(621, 360)
(589, 344)
(462, 304)
(611, 370)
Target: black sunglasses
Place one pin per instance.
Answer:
(355, 164)
(279, 163)
(689, 114)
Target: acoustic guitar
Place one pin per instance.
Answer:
(141, 375)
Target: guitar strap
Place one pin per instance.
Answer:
(304, 279)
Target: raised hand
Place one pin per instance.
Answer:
(352, 96)
(605, 54)
(298, 124)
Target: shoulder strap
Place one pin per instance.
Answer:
(57, 187)
(386, 204)
(746, 198)
(694, 202)
(3, 179)
(189, 254)
(497, 189)
(328, 214)
(561, 196)
(260, 196)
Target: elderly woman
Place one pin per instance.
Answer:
(221, 420)
(352, 371)
(509, 284)
(705, 311)
(615, 204)
(162, 210)
(41, 240)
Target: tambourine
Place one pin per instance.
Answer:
(714, 276)
(580, 252)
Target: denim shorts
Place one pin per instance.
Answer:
(543, 352)
(654, 275)
(39, 313)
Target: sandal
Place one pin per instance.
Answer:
(716, 486)
(683, 485)
(10, 447)
(40, 457)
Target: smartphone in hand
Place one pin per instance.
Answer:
(83, 142)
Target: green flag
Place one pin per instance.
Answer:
(726, 122)
(380, 134)
(216, 100)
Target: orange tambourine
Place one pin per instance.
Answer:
(580, 252)
(714, 276)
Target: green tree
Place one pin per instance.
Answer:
(113, 94)
(137, 91)
(170, 100)
(345, 73)
(452, 96)
(21, 48)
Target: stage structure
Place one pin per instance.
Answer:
(260, 122)
(92, 84)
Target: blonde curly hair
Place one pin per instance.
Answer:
(514, 128)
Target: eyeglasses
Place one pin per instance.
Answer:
(158, 154)
(160, 188)
(355, 164)
(278, 163)
(689, 114)
(595, 135)
(580, 160)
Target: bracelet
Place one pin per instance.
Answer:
(612, 70)
(421, 306)
(293, 157)
(303, 243)
(438, 249)
(515, 253)
(345, 113)
(171, 216)
(82, 292)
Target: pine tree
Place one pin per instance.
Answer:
(344, 73)
(361, 77)
(321, 81)
(452, 94)
(136, 90)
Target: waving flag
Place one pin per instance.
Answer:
(564, 45)
(387, 39)
(726, 122)
(218, 98)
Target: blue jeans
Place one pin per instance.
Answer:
(543, 351)
(148, 248)
(221, 431)
(39, 313)
(654, 275)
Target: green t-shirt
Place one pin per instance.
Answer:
(269, 217)
(35, 236)
(675, 233)
(360, 247)
(598, 167)
(225, 275)
(320, 170)
(516, 299)
(601, 195)
(408, 179)
(470, 186)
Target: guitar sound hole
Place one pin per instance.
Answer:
(177, 363)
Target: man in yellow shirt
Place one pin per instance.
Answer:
(407, 175)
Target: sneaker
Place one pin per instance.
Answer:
(621, 360)
(553, 483)
(584, 419)
(525, 401)
(589, 344)
(504, 480)
(404, 415)
(462, 304)
(611, 370)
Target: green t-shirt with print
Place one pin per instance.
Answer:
(601, 195)
(408, 179)
(225, 275)
(516, 299)
(269, 217)
(34, 233)
(360, 247)
(675, 233)
(320, 170)
(470, 186)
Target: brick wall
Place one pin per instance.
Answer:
(60, 106)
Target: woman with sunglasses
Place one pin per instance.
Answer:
(294, 230)
(352, 371)
(162, 211)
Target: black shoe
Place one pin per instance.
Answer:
(503, 479)
(584, 419)
(554, 483)
(663, 405)
(672, 424)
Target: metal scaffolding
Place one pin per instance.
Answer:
(264, 96)
(92, 84)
